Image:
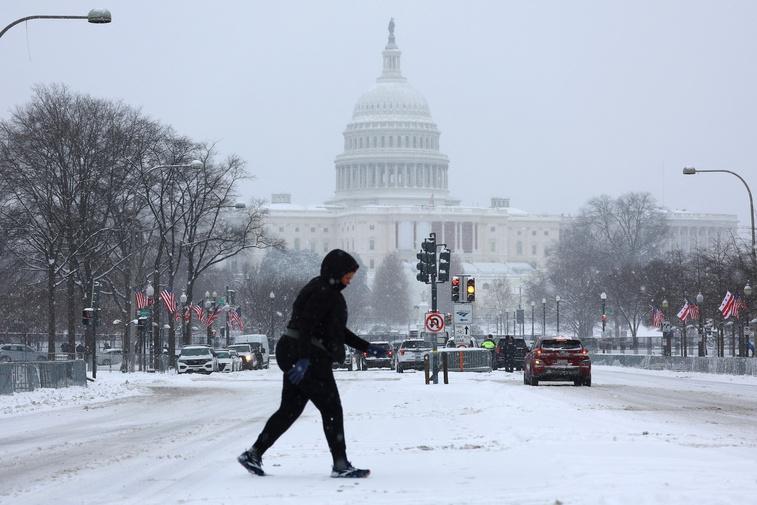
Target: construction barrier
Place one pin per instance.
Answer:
(726, 365)
(463, 359)
(17, 377)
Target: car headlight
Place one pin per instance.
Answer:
(247, 358)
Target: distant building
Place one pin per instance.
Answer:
(391, 191)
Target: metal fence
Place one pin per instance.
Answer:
(464, 359)
(17, 377)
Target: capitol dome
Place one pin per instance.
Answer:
(391, 147)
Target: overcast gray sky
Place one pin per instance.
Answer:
(546, 102)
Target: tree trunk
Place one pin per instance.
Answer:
(51, 311)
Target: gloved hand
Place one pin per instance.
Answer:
(375, 350)
(297, 372)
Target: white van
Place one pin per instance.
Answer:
(258, 340)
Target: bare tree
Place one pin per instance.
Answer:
(390, 292)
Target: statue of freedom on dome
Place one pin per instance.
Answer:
(391, 26)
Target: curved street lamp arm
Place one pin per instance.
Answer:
(751, 202)
(27, 18)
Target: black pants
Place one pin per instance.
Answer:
(319, 387)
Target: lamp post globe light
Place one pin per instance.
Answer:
(184, 322)
(603, 297)
(557, 301)
(94, 16)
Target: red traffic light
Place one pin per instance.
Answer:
(455, 281)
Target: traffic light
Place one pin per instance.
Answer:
(470, 290)
(86, 316)
(426, 260)
(444, 262)
(455, 283)
(141, 323)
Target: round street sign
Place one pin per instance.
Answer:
(434, 322)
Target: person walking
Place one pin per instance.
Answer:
(508, 349)
(490, 345)
(314, 339)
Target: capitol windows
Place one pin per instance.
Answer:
(546, 233)
(371, 227)
(312, 229)
(533, 250)
(382, 141)
(492, 229)
(371, 245)
(492, 246)
(533, 233)
(372, 264)
(297, 230)
(391, 141)
(281, 229)
(325, 230)
(360, 142)
(519, 248)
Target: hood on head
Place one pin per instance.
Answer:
(335, 265)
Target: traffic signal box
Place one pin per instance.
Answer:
(426, 261)
(470, 290)
(455, 285)
(86, 316)
(444, 263)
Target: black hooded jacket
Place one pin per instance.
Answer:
(319, 316)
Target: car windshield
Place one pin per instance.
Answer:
(383, 345)
(222, 354)
(195, 351)
(241, 347)
(415, 344)
(256, 346)
(566, 345)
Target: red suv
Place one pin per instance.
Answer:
(557, 359)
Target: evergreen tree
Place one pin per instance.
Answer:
(391, 303)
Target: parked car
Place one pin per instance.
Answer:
(110, 357)
(20, 352)
(250, 359)
(366, 361)
(521, 349)
(557, 359)
(228, 360)
(197, 358)
(410, 355)
(347, 363)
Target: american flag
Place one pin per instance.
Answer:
(169, 300)
(685, 312)
(738, 305)
(726, 306)
(235, 318)
(141, 297)
(212, 317)
(658, 317)
(199, 312)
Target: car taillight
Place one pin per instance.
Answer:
(365, 354)
(538, 352)
(389, 353)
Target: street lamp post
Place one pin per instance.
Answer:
(150, 292)
(228, 307)
(272, 297)
(533, 305)
(182, 323)
(210, 303)
(557, 301)
(603, 297)
(543, 317)
(702, 338)
(95, 16)
(748, 295)
(693, 171)
(667, 345)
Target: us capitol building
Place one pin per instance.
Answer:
(391, 190)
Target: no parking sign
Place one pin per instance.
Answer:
(434, 322)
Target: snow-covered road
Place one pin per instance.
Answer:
(634, 437)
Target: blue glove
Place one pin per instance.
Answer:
(375, 350)
(297, 372)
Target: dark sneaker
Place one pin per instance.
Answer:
(349, 472)
(252, 462)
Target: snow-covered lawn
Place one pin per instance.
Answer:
(635, 437)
